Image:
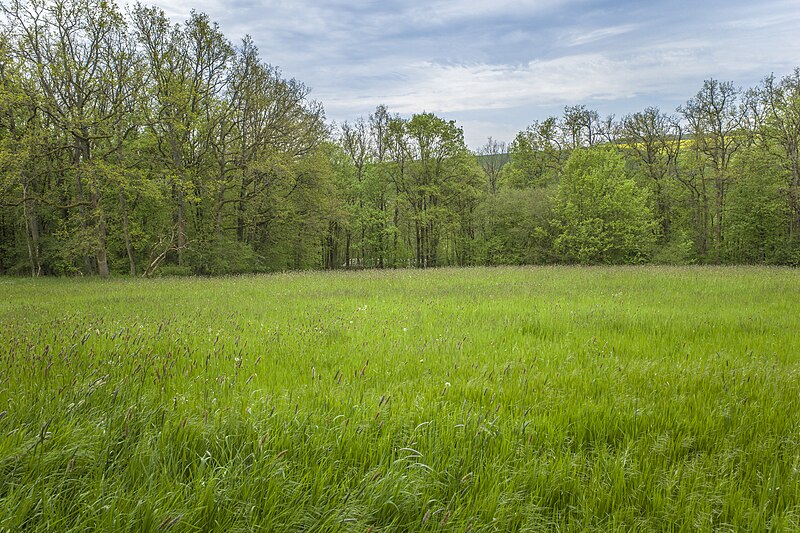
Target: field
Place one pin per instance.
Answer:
(531, 399)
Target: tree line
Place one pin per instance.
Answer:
(130, 144)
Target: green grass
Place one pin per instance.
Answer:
(530, 399)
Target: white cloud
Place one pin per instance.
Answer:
(448, 11)
(559, 81)
(577, 38)
(463, 57)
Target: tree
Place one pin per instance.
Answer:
(265, 148)
(756, 211)
(514, 227)
(436, 179)
(18, 187)
(716, 123)
(600, 216)
(655, 140)
(780, 101)
(536, 155)
(492, 157)
(581, 126)
(387, 215)
(78, 57)
(187, 74)
(355, 139)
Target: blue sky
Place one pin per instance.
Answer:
(495, 66)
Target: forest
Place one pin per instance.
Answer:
(134, 145)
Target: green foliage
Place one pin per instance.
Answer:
(437, 183)
(130, 143)
(535, 156)
(755, 212)
(515, 227)
(678, 250)
(599, 213)
(223, 255)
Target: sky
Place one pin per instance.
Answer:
(496, 66)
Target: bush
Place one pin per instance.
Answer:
(600, 215)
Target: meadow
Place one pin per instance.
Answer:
(486, 399)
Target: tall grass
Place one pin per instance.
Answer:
(531, 399)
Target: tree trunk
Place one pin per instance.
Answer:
(180, 223)
(381, 251)
(396, 239)
(794, 196)
(419, 237)
(102, 235)
(32, 231)
(81, 157)
(88, 266)
(718, 233)
(126, 232)
(240, 211)
(179, 216)
(347, 249)
(330, 255)
(433, 245)
(219, 209)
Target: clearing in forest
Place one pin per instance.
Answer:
(474, 399)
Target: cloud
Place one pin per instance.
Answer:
(577, 38)
(569, 79)
(499, 65)
(449, 11)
